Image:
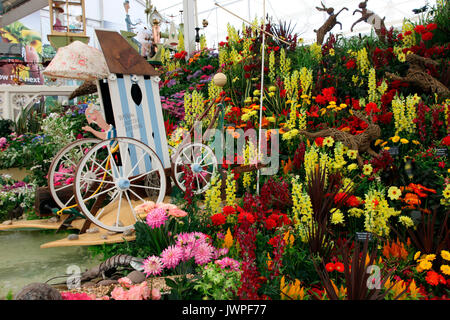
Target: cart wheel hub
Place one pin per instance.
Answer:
(123, 184)
(89, 176)
(196, 168)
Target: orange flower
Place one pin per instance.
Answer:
(288, 167)
(264, 122)
(412, 200)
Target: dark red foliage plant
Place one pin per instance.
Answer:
(356, 274)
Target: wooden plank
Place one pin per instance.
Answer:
(34, 224)
(89, 239)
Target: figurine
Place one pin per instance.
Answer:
(329, 24)
(371, 18)
(59, 19)
(94, 115)
(418, 75)
(145, 39)
(130, 25)
(360, 142)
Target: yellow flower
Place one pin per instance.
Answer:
(378, 141)
(332, 52)
(404, 141)
(417, 255)
(406, 221)
(328, 141)
(395, 139)
(352, 166)
(387, 148)
(446, 192)
(384, 143)
(416, 142)
(256, 93)
(430, 257)
(367, 169)
(445, 269)
(272, 89)
(394, 193)
(337, 217)
(352, 154)
(445, 255)
(424, 265)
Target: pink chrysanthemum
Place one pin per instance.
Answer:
(153, 266)
(203, 253)
(171, 256)
(156, 218)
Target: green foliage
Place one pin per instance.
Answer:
(6, 126)
(182, 288)
(218, 284)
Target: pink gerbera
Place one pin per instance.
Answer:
(156, 218)
(203, 253)
(171, 256)
(153, 265)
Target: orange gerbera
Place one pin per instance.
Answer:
(412, 199)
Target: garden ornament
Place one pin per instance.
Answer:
(78, 61)
(120, 260)
(94, 115)
(360, 142)
(371, 18)
(417, 74)
(145, 39)
(329, 24)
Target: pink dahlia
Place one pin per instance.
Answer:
(156, 218)
(171, 256)
(153, 265)
(203, 253)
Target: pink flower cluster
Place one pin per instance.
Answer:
(193, 245)
(128, 291)
(171, 209)
(231, 264)
(77, 296)
(63, 176)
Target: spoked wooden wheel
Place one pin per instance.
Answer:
(200, 160)
(62, 171)
(126, 166)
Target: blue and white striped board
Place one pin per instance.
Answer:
(143, 122)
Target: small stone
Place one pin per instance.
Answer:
(93, 230)
(111, 233)
(38, 291)
(7, 222)
(107, 282)
(128, 232)
(88, 284)
(53, 219)
(72, 237)
(136, 277)
(104, 236)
